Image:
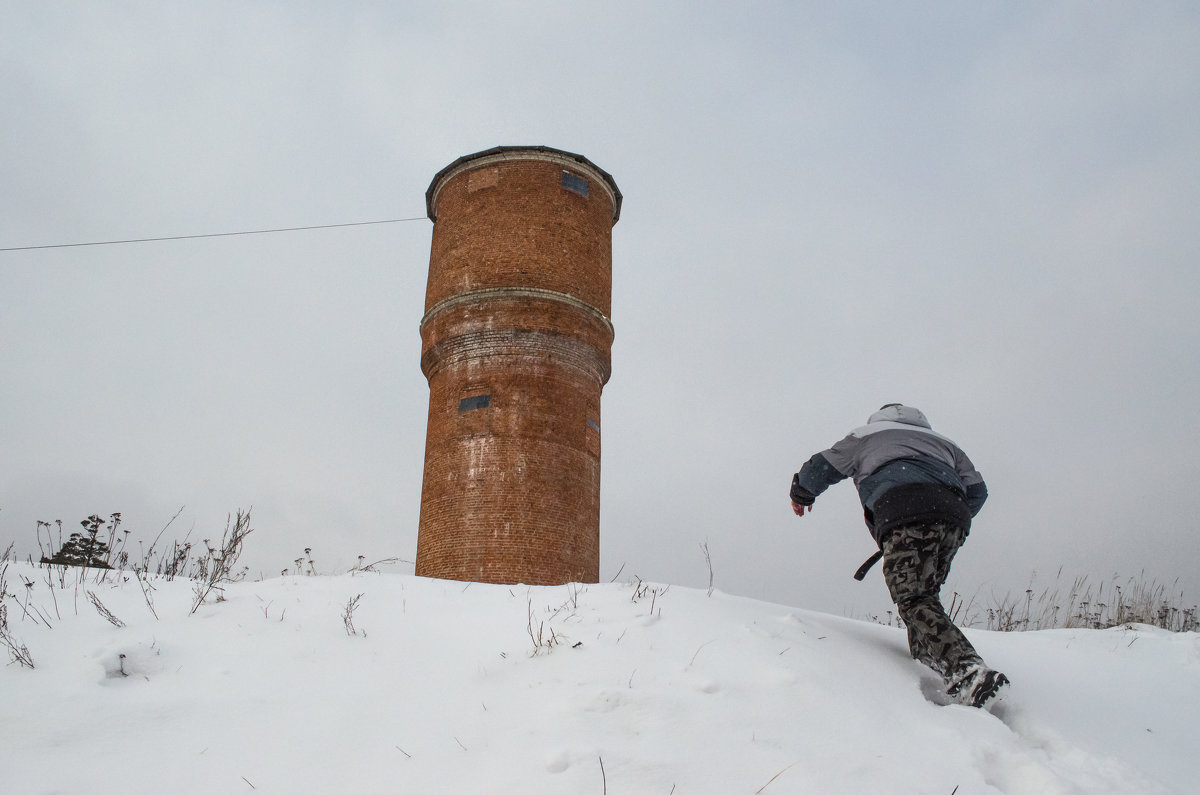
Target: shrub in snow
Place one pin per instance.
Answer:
(86, 549)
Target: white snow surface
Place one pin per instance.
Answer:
(636, 688)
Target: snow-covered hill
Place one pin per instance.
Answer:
(633, 688)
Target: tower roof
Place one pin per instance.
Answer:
(520, 153)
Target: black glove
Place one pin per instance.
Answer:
(801, 495)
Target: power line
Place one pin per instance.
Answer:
(211, 234)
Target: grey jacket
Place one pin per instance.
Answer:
(899, 455)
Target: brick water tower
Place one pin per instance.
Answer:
(516, 344)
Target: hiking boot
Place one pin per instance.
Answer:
(976, 686)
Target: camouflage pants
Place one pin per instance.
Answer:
(916, 562)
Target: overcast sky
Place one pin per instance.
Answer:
(986, 210)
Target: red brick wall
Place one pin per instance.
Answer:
(520, 278)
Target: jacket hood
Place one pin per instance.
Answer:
(902, 414)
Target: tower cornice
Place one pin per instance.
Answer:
(508, 153)
(516, 293)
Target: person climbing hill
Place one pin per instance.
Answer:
(919, 493)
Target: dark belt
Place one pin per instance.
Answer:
(867, 564)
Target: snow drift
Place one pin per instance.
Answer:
(423, 686)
